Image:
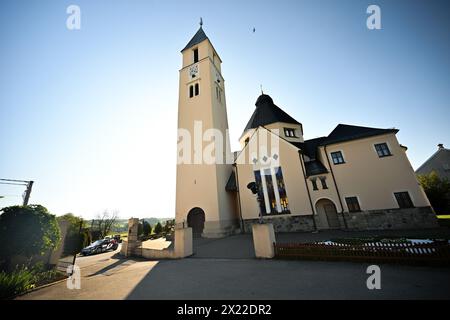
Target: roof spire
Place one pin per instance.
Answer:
(201, 22)
(262, 92)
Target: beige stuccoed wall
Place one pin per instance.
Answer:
(329, 193)
(203, 185)
(372, 179)
(276, 127)
(293, 178)
(279, 126)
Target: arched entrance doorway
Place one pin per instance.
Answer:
(196, 221)
(327, 215)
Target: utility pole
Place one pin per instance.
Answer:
(27, 193)
(28, 184)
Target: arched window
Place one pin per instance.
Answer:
(191, 91)
(197, 89)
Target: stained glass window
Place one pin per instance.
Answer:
(282, 191)
(258, 181)
(271, 185)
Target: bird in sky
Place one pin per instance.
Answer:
(254, 29)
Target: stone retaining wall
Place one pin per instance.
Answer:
(411, 218)
(284, 224)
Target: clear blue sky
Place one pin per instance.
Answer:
(91, 115)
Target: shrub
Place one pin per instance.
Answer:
(18, 281)
(158, 228)
(146, 228)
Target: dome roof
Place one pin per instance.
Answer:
(267, 112)
(263, 99)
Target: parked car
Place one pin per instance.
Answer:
(100, 246)
(117, 238)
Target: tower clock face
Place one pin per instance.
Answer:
(193, 71)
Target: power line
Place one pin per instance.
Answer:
(14, 184)
(12, 180)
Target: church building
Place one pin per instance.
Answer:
(355, 178)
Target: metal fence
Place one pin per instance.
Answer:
(436, 253)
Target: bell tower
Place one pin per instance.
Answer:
(203, 143)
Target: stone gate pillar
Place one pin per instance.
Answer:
(133, 243)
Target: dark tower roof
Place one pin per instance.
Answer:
(196, 39)
(267, 112)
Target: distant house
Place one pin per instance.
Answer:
(439, 162)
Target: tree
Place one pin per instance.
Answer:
(26, 230)
(437, 190)
(168, 226)
(105, 222)
(147, 228)
(158, 228)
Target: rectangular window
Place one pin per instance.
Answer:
(337, 157)
(403, 199)
(323, 180)
(382, 150)
(352, 204)
(289, 132)
(314, 184)
(272, 196)
(191, 91)
(195, 55)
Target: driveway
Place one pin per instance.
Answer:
(103, 276)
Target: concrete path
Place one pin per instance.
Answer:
(103, 276)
